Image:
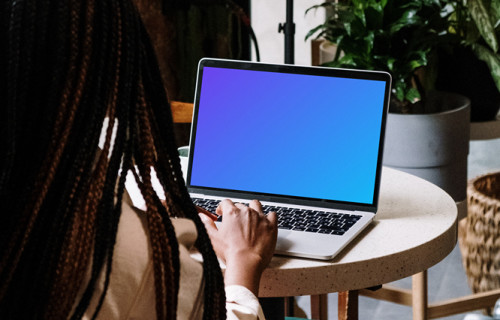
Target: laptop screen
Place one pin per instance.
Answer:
(288, 131)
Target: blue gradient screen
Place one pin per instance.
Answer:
(288, 134)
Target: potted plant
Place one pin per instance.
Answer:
(471, 66)
(427, 131)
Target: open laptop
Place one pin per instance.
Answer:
(305, 141)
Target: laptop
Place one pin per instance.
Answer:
(307, 142)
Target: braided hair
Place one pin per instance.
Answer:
(66, 66)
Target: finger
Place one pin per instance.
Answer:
(273, 218)
(256, 205)
(224, 206)
(241, 206)
(245, 209)
(211, 215)
(209, 224)
(213, 235)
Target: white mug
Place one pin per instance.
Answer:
(183, 155)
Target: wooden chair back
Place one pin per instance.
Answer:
(182, 112)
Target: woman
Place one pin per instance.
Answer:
(70, 240)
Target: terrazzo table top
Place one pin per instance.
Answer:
(415, 228)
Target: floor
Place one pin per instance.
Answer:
(446, 279)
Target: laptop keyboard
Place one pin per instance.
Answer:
(299, 219)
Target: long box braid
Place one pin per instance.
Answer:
(64, 67)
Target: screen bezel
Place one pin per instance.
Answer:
(306, 70)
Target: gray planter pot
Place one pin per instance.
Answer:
(432, 146)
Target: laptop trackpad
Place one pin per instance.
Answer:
(305, 244)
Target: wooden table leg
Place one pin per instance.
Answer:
(319, 307)
(348, 305)
(419, 296)
(289, 306)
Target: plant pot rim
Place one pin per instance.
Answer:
(461, 101)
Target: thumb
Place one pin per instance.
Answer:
(213, 235)
(209, 224)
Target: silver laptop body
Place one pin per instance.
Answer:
(294, 137)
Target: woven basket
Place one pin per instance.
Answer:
(479, 233)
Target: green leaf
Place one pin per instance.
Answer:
(314, 30)
(412, 95)
(408, 18)
(495, 9)
(390, 63)
(332, 64)
(347, 61)
(419, 60)
(415, 64)
(480, 15)
(360, 14)
(327, 5)
(368, 40)
(491, 59)
(398, 91)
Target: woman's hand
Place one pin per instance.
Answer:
(245, 241)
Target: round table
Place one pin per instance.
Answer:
(485, 130)
(414, 228)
